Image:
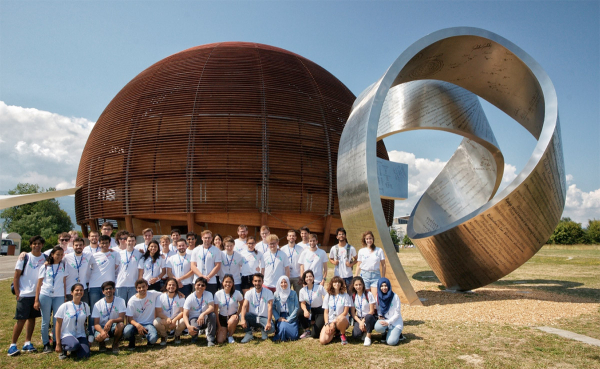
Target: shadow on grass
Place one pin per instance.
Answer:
(414, 322)
(426, 276)
(554, 286)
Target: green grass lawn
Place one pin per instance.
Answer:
(430, 343)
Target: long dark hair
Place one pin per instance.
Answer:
(363, 240)
(164, 287)
(156, 254)
(232, 284)
(222, 243)
(353, 291)
(304, 276)
(50, 260)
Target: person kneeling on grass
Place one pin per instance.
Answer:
(109, 316)
(141, 314)
(363, 311)
(388, 309)
(336, 305)
(198, 312)
(257, 310)
(169, 312)
(70, 326)
(228, 305)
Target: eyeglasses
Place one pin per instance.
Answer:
(123, 238)
(65, 239)
(251, 243)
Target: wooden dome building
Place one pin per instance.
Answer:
(216, 136)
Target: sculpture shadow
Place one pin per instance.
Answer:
(513, 290)
(426, 276)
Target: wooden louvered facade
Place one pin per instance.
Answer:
(216, 136)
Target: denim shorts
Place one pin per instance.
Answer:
(370, 277)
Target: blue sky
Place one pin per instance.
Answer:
(61, 62)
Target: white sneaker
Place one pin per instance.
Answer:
(230, 339)
(367, 341)
(248, 337)
(91, 338)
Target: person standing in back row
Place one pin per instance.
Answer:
(343, 256)
(371, 262)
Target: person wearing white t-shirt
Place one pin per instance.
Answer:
(148, 234)
(263, 245)
(252, 264)
(94, 245)
(128, 270)
(293, 251)
(192, 240)
(206, 261)
(336, 305)
(179, 266)
(70, 326)
(218, 241)
(51, 291)
(371, 262)
(104, 269)
(275, 263)
(166, 250)
(109, 317)
(199, 312)
(25, 285)
(343, 256)
(169, 312)
(240, 242)
(315, 259)
(228, 305)
(78, 264)
(106, 230)
(141, 312)
(363, 310)
(63, 241)
(121, 238)
(151, 266)
(311, 302)
(257, 311)
(232, 263)
(175, 237)
(389, 312)
(304, 238)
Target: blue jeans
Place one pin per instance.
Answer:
(48, 304)
(393, 332)
(370, 278)
(251, 320)
(125, 293)
(130, 332)
(95, 294)
(78, 345)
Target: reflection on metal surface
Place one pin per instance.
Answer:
(468, 236)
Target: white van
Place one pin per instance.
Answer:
(4, 246)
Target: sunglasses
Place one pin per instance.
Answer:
(201, 285)
(65, 239)
(123, 238)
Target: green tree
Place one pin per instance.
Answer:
(568, 232)
(394, 236)
(44, 218)
(407, 240)
(593, 231)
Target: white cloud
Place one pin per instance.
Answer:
(40, 147)
(582, 206)
(569, 178)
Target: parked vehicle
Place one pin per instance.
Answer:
(4, 246)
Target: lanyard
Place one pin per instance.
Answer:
(171, 304)
(310, 295)
(273, 259)
(335, 298)
(258, 303)
(359, 298)
(181, 261)
(292, 253)
(128, 258)
(111, 307)
(227, 301)
(200, 303)
(78, 265)
(228, 264)
(96, 248)
(76, 313)
(204, 252)
(54, 273)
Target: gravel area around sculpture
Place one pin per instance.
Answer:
(496, 305)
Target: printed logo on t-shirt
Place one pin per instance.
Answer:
(78, 311)
(39, 263)
(145, 305)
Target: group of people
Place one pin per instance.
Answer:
(115, 288)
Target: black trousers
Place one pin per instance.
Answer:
(370, 321)
(317, 319)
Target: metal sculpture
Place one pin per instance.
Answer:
(469, 235)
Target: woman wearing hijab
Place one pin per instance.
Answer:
(285, 310)
(388, 309)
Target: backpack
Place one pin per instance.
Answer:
(12, 285)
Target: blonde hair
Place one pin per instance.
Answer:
(272, 238)
(205, 232)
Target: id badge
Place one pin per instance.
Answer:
(257, 320)
(310, 316)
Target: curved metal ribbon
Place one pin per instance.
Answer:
(469, 237)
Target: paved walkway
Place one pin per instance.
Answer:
(570, 335)
(7, 266)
